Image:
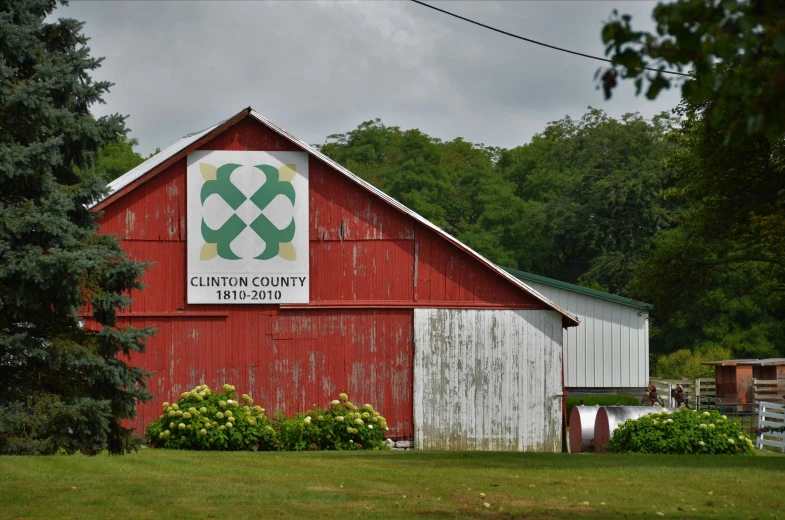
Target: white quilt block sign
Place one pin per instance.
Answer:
(247, 227)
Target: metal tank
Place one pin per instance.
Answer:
(582, 420)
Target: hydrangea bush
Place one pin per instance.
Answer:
(205, 420)
(682, 432)
(342, 426)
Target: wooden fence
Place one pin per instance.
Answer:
(769, 390)
(694, 388)
(771, 415)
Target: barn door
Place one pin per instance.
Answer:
(487, 379)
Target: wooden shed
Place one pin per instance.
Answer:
(735, 379)
(279, 271)
(609, 351)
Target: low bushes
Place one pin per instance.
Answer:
(205, 420)
(682, 432)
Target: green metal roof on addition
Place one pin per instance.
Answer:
(578, 289)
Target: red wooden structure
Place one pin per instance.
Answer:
(734, 378)
(371, 264)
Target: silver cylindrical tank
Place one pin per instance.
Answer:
(610, 417)
(582, 428)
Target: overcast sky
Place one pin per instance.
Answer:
(318, 68)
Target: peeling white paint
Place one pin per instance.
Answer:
(487, 379)
(130, 221)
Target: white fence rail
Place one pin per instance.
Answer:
(771, 415)
(694, 388)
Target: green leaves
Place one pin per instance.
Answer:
(735, 50)
(682, 433)
(206, 420)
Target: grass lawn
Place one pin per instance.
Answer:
(230, 486)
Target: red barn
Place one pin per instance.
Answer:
(453, 351)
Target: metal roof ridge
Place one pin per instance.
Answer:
(577, 288)
(151, 162)
(379, 193)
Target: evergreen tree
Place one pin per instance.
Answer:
(62, 387)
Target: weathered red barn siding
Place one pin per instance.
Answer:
(370, 266)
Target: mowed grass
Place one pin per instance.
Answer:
(230, 486)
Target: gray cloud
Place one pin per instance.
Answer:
(318, 68)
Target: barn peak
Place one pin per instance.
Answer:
(192, 142)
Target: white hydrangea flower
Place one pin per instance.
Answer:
(335, 401)
(165, 404)
(701, 443)
(229, 401)
(229, 425)
(203, 431)
(343, 397)
(181, 426)
(339, 418)
(711, 426)
(219, 415)
(203, 410)
(702, 426)
(731, 441)
(186, 415)
(307, 420)
(358, 421)
(370, 426)
(706, 414)
(725, 417)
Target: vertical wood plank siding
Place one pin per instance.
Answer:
(363, 253)
(610, 347)
(487, 379)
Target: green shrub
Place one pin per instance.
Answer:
(342, 426)
(687, 364)
(204, 420)
(682, 432)
(602, 400)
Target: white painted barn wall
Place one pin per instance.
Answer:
(610, 347)
(487, 379)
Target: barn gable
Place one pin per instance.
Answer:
(154, 193)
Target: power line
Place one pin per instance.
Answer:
(539, 43)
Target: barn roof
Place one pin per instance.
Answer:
(754, 362)
(191, 142)
(578, 289)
